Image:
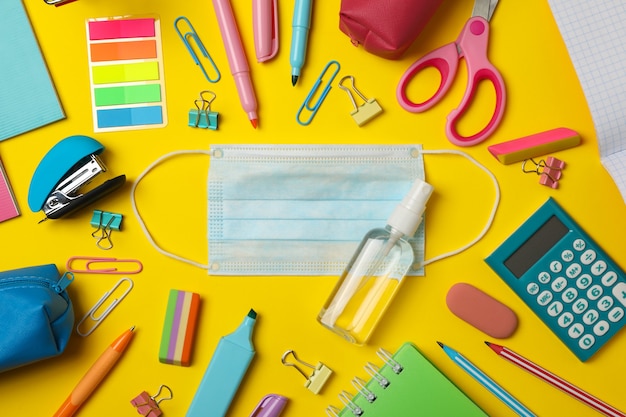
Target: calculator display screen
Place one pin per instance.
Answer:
(536, 246)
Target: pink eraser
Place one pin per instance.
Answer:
(543, 143)
(481, 310)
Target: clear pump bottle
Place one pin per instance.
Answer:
(373, 275)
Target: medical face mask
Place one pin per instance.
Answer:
(301, 209)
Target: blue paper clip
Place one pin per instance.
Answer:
(314, 108)
(191, 33)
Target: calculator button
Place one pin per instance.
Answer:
(594, 292)
(555, 308)
(605, 303)
(532, 288)
(591, 317)
(601, 328)
(609, 278)
(573, 270)
(586, 341)
(543, 277)
(576, 330)
(616, 314)
(556, 266)
(580, 305)
(559, 284)
(588, 256)
(565, 319)
(569, 295)
(598, 268)
(567, 255)
(619, 292)
(584, 281)
(579, 245)
(544, 298)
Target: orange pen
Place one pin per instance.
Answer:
(95, 375)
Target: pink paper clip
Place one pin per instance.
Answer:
(549, 170)
(148, 406)
(88, 269)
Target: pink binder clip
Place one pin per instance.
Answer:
(148, 406)
(549, 170)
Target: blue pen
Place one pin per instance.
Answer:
(299, 36)
(487, 382)
(225, 372)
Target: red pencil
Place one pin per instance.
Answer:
(556, 381)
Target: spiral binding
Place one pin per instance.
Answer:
(360, 385)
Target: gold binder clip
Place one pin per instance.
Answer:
(317, 379)
(366, 111)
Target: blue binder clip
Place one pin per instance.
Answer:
(313, 108)
(105, 223)
(70, 165)
(202, 116)
(191, 34)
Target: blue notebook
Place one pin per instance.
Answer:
(28, 99)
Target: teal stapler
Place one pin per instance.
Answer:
(59, 184)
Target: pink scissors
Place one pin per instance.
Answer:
(471, 45)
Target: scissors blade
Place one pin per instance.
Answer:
(484, 8)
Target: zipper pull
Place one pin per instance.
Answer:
(64, 282)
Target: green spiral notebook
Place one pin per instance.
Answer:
(408, 385)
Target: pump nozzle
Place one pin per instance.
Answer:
(407, 216)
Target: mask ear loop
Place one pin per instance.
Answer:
(491, 215)
(140, 219)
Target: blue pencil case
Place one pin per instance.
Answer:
(36, 314)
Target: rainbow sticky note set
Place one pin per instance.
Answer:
(179, 327)
(126, 73)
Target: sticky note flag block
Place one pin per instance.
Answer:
(179, 328)
(126, 73)
(535, 145)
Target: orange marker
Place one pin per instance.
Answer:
(95, 375)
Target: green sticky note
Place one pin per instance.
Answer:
(132, 94)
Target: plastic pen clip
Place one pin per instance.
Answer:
(270, 406)
(265, 25)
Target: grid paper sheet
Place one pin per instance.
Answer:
(595, 36)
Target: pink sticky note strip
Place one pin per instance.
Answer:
(127, 28)
(538, 144)
(8, 205)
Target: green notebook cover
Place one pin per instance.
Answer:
(419, 389)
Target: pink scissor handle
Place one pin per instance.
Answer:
(445, 60)
(473, 42)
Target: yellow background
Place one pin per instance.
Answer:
(543, 93)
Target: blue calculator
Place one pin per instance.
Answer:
(565, 278)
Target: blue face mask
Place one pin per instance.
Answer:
(301, 210)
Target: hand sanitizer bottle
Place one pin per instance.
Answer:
(373, 275)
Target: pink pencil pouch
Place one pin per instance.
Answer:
(386, 28)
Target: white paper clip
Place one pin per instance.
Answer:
(97, 319)
(317, 379)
